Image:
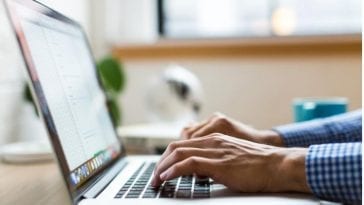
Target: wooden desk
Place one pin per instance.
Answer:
(32, 184)
(36, 184)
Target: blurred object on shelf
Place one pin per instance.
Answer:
(310, 108)
(175, 96)
(149, 138)
(27, 152)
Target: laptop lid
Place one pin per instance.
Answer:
(66, 86)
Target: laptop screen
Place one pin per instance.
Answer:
(65, 81)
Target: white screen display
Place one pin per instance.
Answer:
(68, 78)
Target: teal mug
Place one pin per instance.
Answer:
(312, 108)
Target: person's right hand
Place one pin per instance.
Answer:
(238, 164)
(219, 123)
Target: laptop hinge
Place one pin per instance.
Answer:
(100, 185)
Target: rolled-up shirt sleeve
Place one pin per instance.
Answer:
(340, 128)
(333, 171)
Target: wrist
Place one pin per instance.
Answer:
(271, 137)
(291, 170)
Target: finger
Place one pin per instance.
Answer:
(196, 143)
(193, 165)
(207, 141)
(206, 130)
(202, 142)
(188, 131)
(208, 127)
(181, 154)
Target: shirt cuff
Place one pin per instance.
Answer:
(302, 134)
(336, 129)
(333, 171)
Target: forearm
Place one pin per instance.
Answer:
(289, 171)
(270, 137)
(337, 129)
(329, 171)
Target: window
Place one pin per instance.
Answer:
(258, 18)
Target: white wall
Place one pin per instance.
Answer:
(121, 22)
(131, 21)
(11, 79)
(256, 89)
(78, 10)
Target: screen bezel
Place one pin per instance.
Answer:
(38, 94)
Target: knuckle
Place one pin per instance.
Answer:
(192, 162)
(194, 135)
(172, 146)
(217, 140)
(175, 168)
(221, 121)
(227, 145)
(179, 153)
(186, 129)
(213, 135)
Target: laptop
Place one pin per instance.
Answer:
(71, 101)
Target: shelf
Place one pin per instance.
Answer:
(164, 48)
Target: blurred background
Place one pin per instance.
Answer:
(252, 57)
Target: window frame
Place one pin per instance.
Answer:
(161, 22)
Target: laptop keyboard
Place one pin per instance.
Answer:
(138, 186)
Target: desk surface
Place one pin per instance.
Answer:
(32, 184)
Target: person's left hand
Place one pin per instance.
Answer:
(238, 164)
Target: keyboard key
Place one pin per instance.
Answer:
(132, 196)
(201, 196)
(201, 189)
(136, 189)
(150, 195)
(153, 188)
(185, 185)
(184, 188)
(167, 195)
(169, 188)
(183, 194)
(128, 183)
(200, 181)
(119, 195)
(137, 186)
(151, 191)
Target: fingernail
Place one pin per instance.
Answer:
(163, 176)
(153, 182)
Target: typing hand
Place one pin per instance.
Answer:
(219, 123)
(238, 164)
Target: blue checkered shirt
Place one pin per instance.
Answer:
(333, 163)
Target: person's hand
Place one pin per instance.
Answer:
(219, 123)
(238, 164)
